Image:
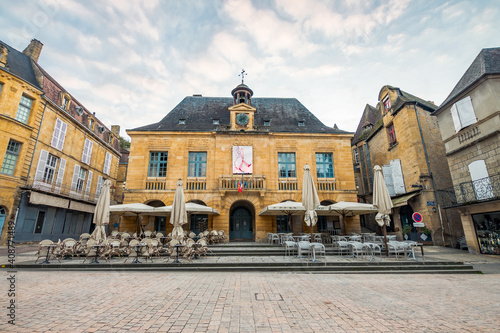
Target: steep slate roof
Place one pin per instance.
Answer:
(486, 62)
(199, 112)
(374, 115)
(370, 116)
(19, 64)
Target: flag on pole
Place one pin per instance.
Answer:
(240, 187)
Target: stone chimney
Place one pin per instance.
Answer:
(33, 50)
(115, 129)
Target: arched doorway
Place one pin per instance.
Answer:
(241, 222)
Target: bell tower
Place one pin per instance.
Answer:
(242, 112)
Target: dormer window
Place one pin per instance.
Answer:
(65, 101)
(387, 103)
(267, 123)
(301, 123)
(182, 121)
(215, 122)
(91, 123)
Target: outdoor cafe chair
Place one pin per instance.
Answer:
(90, 251)
(46, 243)
(275, 238)
(304, 247)
(192, 235)
(159, 235)
(357, 249)
(68, 248)
(341, 247)
(319, 249)
(290, 247)
(317, 238)
(147, 233)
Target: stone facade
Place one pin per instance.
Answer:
(414, 133)
(218, 188)
(45, 189)
(469, 121)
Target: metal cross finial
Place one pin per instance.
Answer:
(243, 73)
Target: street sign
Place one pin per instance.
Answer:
(431, 203)
(417, 217)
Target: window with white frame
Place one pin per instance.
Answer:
(107, 164)
(78, 181)
(23, 110)
(87, 151)
(463, 113)
(65, 103)
(59, 134)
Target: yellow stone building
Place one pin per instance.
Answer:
(238, 154)
(55, 154)
(402, 137)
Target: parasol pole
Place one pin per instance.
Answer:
(385, 240)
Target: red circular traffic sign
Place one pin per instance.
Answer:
(417, 217)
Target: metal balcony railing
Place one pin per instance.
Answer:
(248, 183)
(62, 190)
(483, 189)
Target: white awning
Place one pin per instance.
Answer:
(82, 207)
(37, 198)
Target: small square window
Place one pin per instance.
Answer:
(302, 123)
(215, 122)
(267, 123)
(392, 135)
(182, 121)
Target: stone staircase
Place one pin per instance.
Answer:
(255, 257)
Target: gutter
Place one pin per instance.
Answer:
(36, 141)
(432, 177)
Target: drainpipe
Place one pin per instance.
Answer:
(430, 173)
(36, 142)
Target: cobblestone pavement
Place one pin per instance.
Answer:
(65, 301)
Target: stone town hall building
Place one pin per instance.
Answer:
(218, 144)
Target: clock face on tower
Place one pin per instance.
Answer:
(242, 119)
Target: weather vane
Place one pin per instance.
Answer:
(243, 73)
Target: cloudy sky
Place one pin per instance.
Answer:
(131, 62)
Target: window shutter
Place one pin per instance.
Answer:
(60, 175)
(89, 152)
(397, 177)
(387, 169)
(107, 163)
(62, 136)
(456, 119)
(42, 161)
(98, 189)
(76, 172)
(480, 180)
(56, 134)
(85, 150)
(466, 111)
(89, 182)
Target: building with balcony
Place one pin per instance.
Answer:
(55, 154)
(401, 136)
(469, 121)
(238, 154)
